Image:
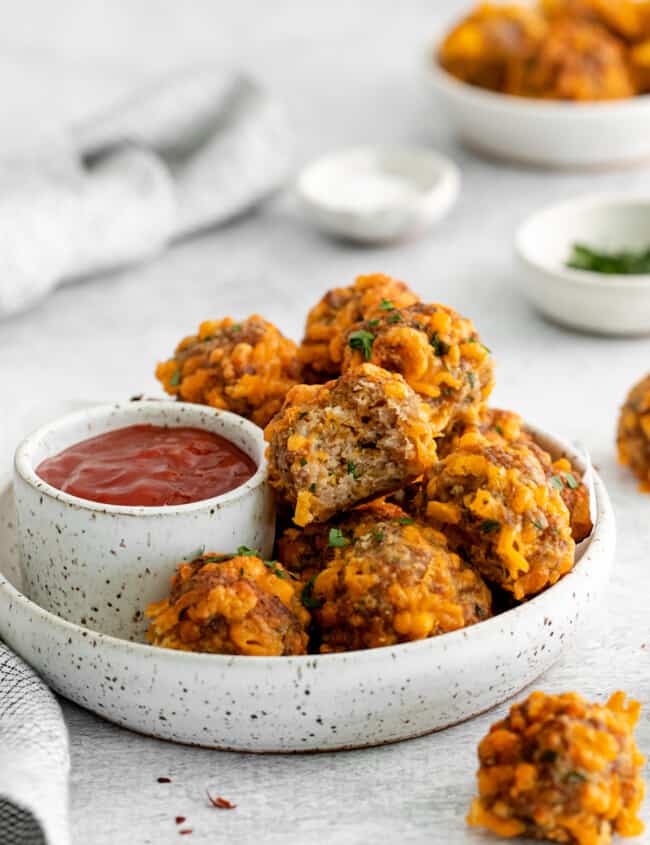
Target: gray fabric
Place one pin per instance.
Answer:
(34, 759)
(190, 152)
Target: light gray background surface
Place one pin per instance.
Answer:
(349, 72)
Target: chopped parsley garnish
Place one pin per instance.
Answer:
(490, 525)
(373, 323)
(303, 414)
(439, 346)
(236, 327)
(273, 566)
(626, 262)
(241, 571)
(303, 462)
(471, 379)
(539, 524)
(386, 305)
(312, 488)
(377, 534)
(573, 777)
(405, 520)
(336, 540)
(352, 470)
(557, 482)
(362, 340)
(499, 430)
(307, 595)
(215, 558)
(244, 551)
(395, 318)
(571, 480)
(176, 378)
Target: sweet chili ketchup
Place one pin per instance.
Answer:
(149, 465)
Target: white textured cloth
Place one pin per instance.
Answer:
(185, 154)
(34, 759)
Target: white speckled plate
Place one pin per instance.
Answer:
(318, 702)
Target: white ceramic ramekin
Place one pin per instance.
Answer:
(100, 565)
(542, 132)
(594, 302)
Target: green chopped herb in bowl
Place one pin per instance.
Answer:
(626, 262)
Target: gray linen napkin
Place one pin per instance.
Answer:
(34, 759)
(185, 154)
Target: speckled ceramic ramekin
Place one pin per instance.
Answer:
(100, 565)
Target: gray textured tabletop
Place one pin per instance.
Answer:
(348, 72)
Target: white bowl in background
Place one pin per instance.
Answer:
(378, 194)
(311, 702)
(100, 565)
(550, 133)
(595, 302)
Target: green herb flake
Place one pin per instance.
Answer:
(216, 558)
(499, 430)
(273, 566)
(386, 305)
(241, 571)
(557, 482)
(373, 323)
(244, 551)
(488, 526)
(395, 318)
(626, 262)
(353, 471)
(303, 462)
(439, 346)
(378, 535)
(336, 540)
(548, 756)
(471, 379)
(312, 488)
(539, 525)
(363, 341)
(574, 777)
(236, 327)
(405, 520)
(303, 415)
(307, 595)
(571, 480)
(176, 378)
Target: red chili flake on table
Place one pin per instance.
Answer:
(180, 819)
(185, 831)
(164, 780)
(221, 803)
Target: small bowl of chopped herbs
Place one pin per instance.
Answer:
(585, 263)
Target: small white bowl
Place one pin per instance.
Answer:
(378, 194)
(606, 304)
(317, 702)
(100, 565)
(554, 134)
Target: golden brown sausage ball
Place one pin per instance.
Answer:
(237, 604)
(634, 433)
(338, 444)
(488, 47)
(562, 769)
(506, 427)
(321, 351)
(244, 367)
(496, 504)
(621, 17)
(384, 579)
(580, 61)
(438, 352)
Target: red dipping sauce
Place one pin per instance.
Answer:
(149, 465)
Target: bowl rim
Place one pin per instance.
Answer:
(559, 108)
(23, 464)
(603, 535)
(445, 187)
(585, 278)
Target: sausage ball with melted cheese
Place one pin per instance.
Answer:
(236, 604)
(495, 503)
(437, 351)
(321, 351)
(562, 769)
(488, 47)
(384, 579)
(634, 433)
(335, 445)
(244, 367)
(506, 427)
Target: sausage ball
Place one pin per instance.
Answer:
(506, 427)
(622, 17)
(580, 61)
(437, 351)
(496, 506)
(244, 367)
(488, 46)
(634, 433)
(384, 578)
(562, 769)
(335, 445)
(231, 604)
(321, 351)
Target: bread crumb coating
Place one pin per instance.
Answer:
(231, 604)
(561, 769)
(244, 367)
